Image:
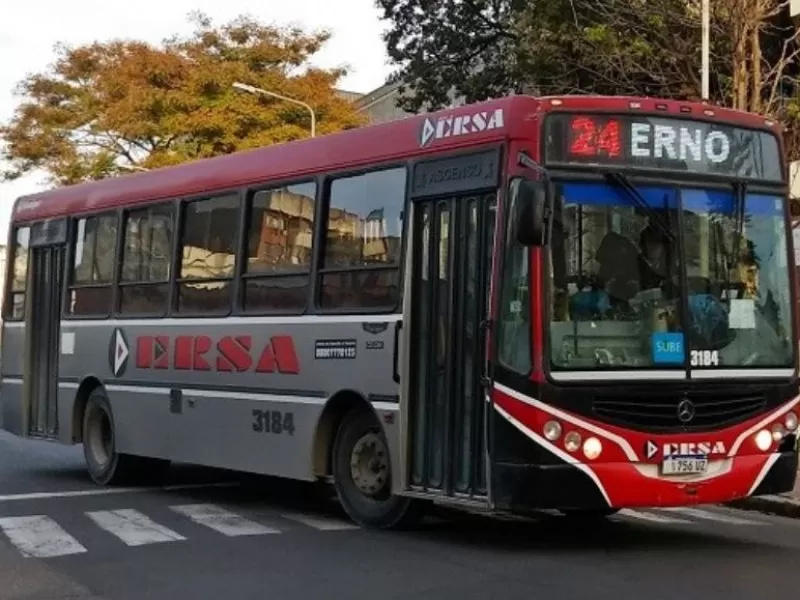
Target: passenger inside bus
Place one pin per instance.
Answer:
(625, 270)
(656, 261)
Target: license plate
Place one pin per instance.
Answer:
(684, 465)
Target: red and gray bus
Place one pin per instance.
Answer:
(575, 303)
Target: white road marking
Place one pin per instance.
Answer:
(39, 537)
(132, 527)
(648, 516)
(711, 516)
(321, 523)
(221, 520)
(109, 491)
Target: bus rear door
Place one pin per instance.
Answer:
(43, 326)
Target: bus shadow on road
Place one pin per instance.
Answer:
(558, 533)
(546, 532)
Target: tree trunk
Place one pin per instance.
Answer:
(757, 83)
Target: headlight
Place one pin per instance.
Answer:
(790, 420)
(764, 440)
(572, 441)
(592, 448)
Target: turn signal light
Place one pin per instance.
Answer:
(552, 430)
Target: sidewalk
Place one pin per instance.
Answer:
(786, 505)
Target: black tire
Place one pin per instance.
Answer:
(378, 509)
(590, 514)
(106, 466)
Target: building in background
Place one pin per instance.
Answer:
(380, 105)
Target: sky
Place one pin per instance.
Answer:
(355, 25)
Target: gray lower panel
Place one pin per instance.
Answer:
(13, 405)
(249, 432)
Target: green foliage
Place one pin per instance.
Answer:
(486, 48)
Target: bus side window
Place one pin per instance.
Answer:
(91, 276)
(280, 231)
(15, 298)
(146, 260)
(209, 239)
(361, 256)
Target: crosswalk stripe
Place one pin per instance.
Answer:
(132, 527)
(321, 523)
(222, 521)
(39, 537)
(711, 516)
(648, 516)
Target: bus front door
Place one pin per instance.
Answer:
(450, 267)
(43, 326)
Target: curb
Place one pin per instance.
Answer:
(782, 505)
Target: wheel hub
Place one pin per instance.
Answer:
(369, 464)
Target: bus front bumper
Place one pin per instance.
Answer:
(621, 485)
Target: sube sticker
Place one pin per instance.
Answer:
(667, 348)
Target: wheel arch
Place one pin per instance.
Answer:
(337, 406)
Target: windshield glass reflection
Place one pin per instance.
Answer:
(617, 299)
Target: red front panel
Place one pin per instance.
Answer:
(627, 473)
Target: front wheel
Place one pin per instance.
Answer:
(362, 472)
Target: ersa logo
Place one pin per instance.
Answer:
(226, 354)
(458, 125)
(651, 449)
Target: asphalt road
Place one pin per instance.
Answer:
(258, 538)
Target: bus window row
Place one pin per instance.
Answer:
(270, 257)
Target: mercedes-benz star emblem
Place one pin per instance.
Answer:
(685, 410)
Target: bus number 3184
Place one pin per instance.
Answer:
(273, 421)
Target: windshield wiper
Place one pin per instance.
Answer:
(622, 182)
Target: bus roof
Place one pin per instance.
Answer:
(417, 135)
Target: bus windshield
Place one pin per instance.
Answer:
(629, 292)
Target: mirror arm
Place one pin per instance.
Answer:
(524, 160)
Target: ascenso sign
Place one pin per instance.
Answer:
(659, 143)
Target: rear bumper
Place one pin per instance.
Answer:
(620, 485)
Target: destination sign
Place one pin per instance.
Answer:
(658, 143)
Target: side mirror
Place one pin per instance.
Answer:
(530, 201)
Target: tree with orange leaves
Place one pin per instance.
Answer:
(110, 108)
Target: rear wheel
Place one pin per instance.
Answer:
(362, 472)
(106, 466)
